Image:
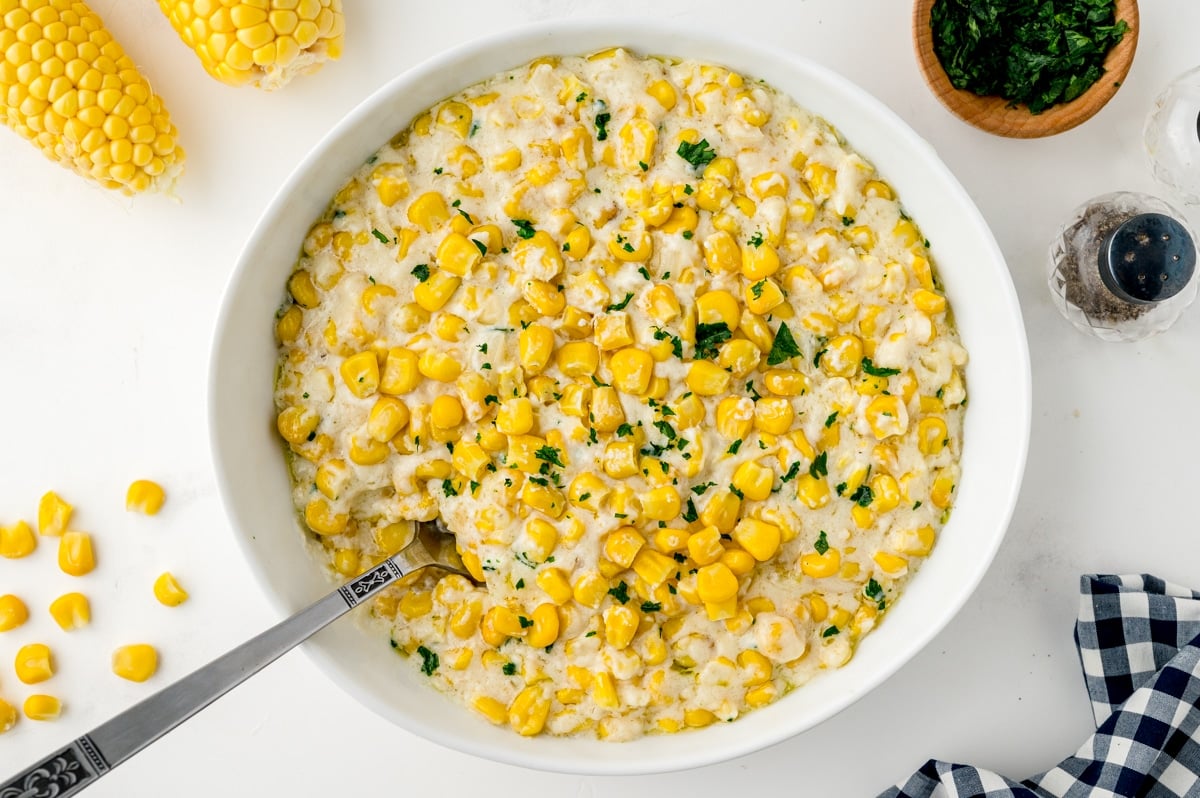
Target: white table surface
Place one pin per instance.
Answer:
(106, 312)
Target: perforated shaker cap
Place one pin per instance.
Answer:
(1147, 259)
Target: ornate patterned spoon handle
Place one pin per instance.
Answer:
(81, 762)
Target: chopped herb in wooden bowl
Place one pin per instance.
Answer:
(1025, 68)
(1034, 53)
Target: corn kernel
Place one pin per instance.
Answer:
(758, 537)
(360, 373)
(75, 556)
(42, 707)
(578, 359)
(13, 612)
(753, 480)
(144, 496)
(706, 378)
(631, 369)
(620, 625)
(819, 566)
(168, 590)
(17, 540)
(34, 663)
(715, 583)
(53, 514)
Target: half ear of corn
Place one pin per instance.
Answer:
(68, 87)
(264, 43)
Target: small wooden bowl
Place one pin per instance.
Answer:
(994, 114)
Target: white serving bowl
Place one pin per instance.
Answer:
(253, 477)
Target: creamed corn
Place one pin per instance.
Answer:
(668, 358)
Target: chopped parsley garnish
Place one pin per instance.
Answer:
(757, 289)
(876, 371)
(792, 471)
(874, 591)
(482, 348)
(651, 606)
(642, 271)
(733, 447)
(847, 221)
(752, 392)
(832, 418)
(830, 631)
(822, 544)
(584, 496)
(687, 235)
(482, 247)
(734, 490)
(643, 165)
(581, 97)
(429, 660)
(448, 488)
(690, 513)
(491, 399)
(525, 622)
(676, 344)
(817, 357)
(509, 669)
(620, 305)
(819, 468)
(756, 240)
(698, 154)
(620, 592)
(590, 634)
(666, 429)
(623, 430)
(709, 338)
(841, 488)
(863, 496)
(421, 272)
(550, 455)
(602, 121)
(465, 215)
(592, 437)
(784, 348)
(699, 489)
(524, 228)
(916, 505)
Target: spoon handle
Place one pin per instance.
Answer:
(74, 767)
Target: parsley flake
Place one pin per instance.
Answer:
(524, 228)
(822, 544)
(784, 348)
(620, 592)
(709, 337)
(698, 154)
(876, 371)
(620, 305)
(421, 272)
(429, 660)
(819, 468)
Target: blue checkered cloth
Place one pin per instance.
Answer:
(1139, 644)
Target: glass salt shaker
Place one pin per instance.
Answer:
(1123, 267)
(1172, 137)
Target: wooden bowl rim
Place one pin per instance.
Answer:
(994, 114)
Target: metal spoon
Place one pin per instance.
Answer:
(77, 765)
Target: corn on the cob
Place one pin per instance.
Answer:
(67, 86)
(264, 43)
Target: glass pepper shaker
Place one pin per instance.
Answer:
(1172, 137)
(1123, 267)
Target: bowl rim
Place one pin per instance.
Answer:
(616, 32)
